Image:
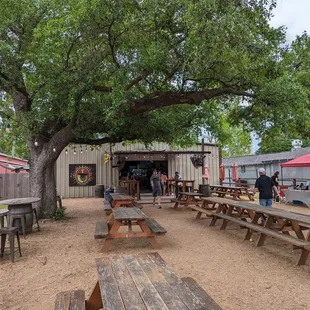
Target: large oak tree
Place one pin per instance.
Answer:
(94, 71)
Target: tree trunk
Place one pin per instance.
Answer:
(43, 185)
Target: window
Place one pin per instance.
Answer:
(243, 169)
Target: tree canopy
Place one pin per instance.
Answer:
(95, 71)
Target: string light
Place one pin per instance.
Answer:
(66, 151)
(54, 149)
(74, 151)
(36, 143)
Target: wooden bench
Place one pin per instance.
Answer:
(107, 207)
(155, 227)
(201, 210)
(200, 294)
(303, 244)
(178, 201)
(70, 300)
(102, 229)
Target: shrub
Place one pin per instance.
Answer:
(60, 214)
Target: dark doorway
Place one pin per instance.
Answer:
(142, 170)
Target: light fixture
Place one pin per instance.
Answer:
(66, 152)
(36, 143)
(54, 149)
(74, 151)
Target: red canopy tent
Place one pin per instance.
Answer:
(302, 161)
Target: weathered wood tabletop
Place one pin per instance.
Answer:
(145, 282)
(19, 201)
(130, 218)
(187, 198)
(234, 191)
(120, 199)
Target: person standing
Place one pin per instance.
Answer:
(156, 187)
(178, 185)
(163, 181)
(265, 185)
(275, 179)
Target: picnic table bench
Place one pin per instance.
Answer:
(129, 217)
(145, 282)
(278, 223)
(120, 199)
(70, 300)
(233, 191)
(186, 199)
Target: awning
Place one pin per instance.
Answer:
(302, 161)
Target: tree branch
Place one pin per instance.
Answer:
(158, 100)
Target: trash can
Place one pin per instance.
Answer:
(107, 196)
(99, 190)
(204, 189)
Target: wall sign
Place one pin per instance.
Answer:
(82, 175)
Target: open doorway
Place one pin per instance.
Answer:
(142, 170)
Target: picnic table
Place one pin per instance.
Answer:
(120, 199)
(186, 199)
(300, 195)
(174, 182)
(129, 217)
(144, 282)
(234, 191)
(278, 223)
(130, 185)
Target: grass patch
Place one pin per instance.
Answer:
(3, 207)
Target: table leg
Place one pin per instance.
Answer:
(225, 222)
(219, 210)
(144, 227)
(263, 237)
(94, 302)
(108, 240)
(138, 191)
(297, 230)
(254, 221)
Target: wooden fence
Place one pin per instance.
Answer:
(14, 185)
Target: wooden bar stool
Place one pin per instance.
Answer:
(12, 232)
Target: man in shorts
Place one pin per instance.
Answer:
(156, 187)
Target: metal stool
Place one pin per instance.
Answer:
(3, 214)
(11, 231)
(36, 217)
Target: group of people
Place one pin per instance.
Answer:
(159, 185)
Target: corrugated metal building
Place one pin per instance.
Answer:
(248, 166)
(161, 154)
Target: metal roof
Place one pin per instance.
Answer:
(251, 160)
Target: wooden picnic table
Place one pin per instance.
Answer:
(148, 228)
(278, 223)
(234, 191)
(144, 282)
(175, 182)
(186, 199)
(130, 185)
(120, 199)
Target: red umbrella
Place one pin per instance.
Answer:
(222, 172)
(235, 175)
(206, 174)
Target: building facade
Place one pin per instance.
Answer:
(78, 164)
(248, 166)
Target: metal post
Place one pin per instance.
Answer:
(203, 160)
(111, 168)
(282, 174)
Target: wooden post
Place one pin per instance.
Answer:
(203, 160)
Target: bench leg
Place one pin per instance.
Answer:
(303, 257)
(198, 216)
(263, 237)
(3, 239)
(94, 302)
(144, 227)
(250, 232)
(106, 245)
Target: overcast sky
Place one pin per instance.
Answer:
(294, 14)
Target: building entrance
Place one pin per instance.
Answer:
(142, 170)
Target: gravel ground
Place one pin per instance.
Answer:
(235, 273)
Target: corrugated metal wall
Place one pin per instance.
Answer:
(180, 163)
